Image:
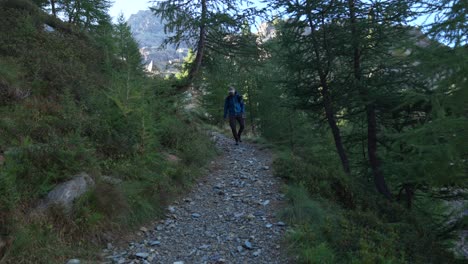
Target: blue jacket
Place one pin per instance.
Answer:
(234, 105)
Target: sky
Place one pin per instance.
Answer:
(128, 7)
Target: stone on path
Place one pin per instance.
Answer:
(155, 243)
(247, 245)
(281, 224)
(142, 255)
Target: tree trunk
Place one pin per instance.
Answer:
(374, 161)
(330, 114)
(379, 179)
(76, 17)
(327, 102)
(201, 43)
(54, 11)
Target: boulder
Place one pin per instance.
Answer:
(64, 194)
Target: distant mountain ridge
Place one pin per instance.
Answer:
(148, 31)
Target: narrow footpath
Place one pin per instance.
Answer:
(230, 216)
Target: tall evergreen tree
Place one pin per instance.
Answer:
(309, 31)
(199, 23)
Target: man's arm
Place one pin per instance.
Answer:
(241, 101)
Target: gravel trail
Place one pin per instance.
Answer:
(228, 217)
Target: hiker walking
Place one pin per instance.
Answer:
(234, 108)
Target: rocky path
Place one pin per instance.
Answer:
(228, 217)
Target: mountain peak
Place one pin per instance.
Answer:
(148, 31)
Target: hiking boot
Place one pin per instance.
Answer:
(237, 143)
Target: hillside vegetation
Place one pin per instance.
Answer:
(74, 98)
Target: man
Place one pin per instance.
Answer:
(234, 108)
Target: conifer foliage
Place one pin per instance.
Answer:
(202, 24)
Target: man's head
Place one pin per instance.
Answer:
(231, 90)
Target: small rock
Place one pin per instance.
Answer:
(259, 213)
(237, 215)
(265, 168)
(155, 243)
(142, 255)
(172, 158)
(280, 224)
(268, 225)
(178, 262)
(143, 229)
(73, 261)
(250, 216)
(257, 253)
(196, 215)
(247, 245)
(266, 202)
(240, 249)
(202, 247)
(111, 180)
(171, 209)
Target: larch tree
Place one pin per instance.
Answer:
(310, 32)
(199, 23)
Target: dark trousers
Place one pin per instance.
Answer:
(232, 123)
